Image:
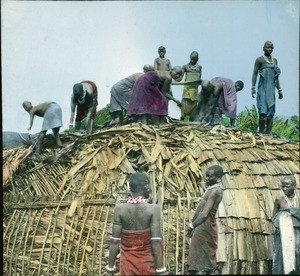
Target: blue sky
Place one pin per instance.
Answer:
(48, 46)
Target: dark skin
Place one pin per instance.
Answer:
(288, 186)
(187, 68)
(165, 78)
(138, 217)
(162, 63)
(39, 110)
(89, 120)
(268, 49)
(208, 98)
(209, 201)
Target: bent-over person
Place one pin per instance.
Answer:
(85, 98)
(137, 230)
(52, 114)
(204, 241)
(120, 95)
(150, 95)
(286, 219)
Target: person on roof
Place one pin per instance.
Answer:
(85, 98)
(120, 95)
(266, 67)
(52, 114)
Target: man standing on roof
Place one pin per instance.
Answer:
(136, 227)
(286, 219)
(204, 242)
(267, 68)
(85, 98)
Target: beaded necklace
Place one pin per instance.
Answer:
(219, 184)
(268, 61)
(136, 200)
(295, 199)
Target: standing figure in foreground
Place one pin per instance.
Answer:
(190, 95)
(267, 68)
(286, 219)
(161, 63)
(150, 95)
(204, 241)
(52, 114)
(85, 98)
(136, 227)
(120, 95)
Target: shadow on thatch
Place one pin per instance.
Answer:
(58, 207)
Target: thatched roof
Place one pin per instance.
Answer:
(58, 208)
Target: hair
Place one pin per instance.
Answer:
(290, 178)
(77, 89)
(161, 48)
(138, 181)
(147, 68)
(194, 54)
(218, 170)
(240, 83)
(26, 105)
(266, 43)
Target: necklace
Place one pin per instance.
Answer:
(136, 200)
(193, 67)
(295, 199)
(268, 61)
(213, 186)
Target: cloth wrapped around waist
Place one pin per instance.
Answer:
(190, 91)
(136, 253)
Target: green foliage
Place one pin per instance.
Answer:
(288, 129)
(102, 116)
(247, 120)
(225, 122)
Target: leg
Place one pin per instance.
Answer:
(144, 119)
(56, 136)
(89, 128)
(39, 146)
(118, 118)
(77, 125)
(269, 125)
(262, 123)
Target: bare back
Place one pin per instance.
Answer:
(137, 217)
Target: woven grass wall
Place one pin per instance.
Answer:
(58, 207)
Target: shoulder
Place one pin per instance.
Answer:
(88, 87)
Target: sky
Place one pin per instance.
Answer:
(48, 46)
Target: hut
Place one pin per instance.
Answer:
(58, 208)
